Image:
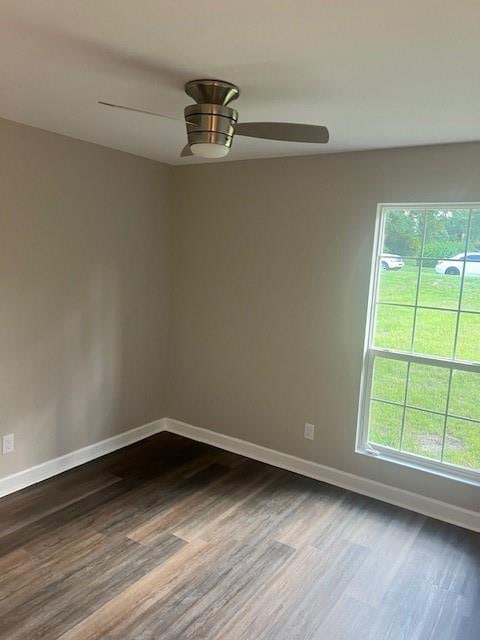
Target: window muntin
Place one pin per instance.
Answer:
(421, 383)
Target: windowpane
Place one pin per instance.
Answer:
(397, 284)
(403, 232)
(435, 332)
(468, 343)
(423, 433)
(389, 378)
(446, 232)
(437, 289)
(428, 387)
(471, 293)
(385, 424)
(462, 443)
(465, 395)
(393, 329)
(474, 239)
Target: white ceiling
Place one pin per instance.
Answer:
(378, 73)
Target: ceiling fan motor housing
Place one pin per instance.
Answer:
(210, 124)
(211, 121)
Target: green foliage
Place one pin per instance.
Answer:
(403, 232)
(445, 231)
(441, 250)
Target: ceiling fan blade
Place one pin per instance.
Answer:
(150, 113)
(287, 131)
(186, 151)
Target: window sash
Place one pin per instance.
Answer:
(414, 460)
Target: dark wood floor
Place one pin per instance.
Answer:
(171, 539)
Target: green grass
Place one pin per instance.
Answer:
(427, 391)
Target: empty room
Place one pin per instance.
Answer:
(239, 320)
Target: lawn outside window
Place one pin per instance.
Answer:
(420, 394)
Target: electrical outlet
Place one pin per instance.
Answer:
(309, 432)
(8, 443)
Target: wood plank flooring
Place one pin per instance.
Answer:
(174, 540)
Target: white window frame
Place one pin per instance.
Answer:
(374, 450)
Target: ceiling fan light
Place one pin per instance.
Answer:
(209, 150)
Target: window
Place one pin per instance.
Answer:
(420, 398)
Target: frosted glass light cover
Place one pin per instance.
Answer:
(209, 150)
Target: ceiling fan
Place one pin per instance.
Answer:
(212, 124)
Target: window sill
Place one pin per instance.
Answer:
(442, 469)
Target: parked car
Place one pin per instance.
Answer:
(451, 267)
(391, 261)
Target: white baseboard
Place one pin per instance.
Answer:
(421, 504)
(386, 493)
(46, 470)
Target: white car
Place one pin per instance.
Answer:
(391, 261)
(451, 267)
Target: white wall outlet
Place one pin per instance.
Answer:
(8, 443)
(309, 432)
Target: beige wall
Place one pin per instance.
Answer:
(271, 263)
(83, 292)
(261, 304)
